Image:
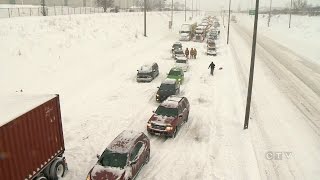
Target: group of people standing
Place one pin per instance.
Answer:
(193, 53)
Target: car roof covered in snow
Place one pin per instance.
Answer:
(169, 81)
(15, 105)
(146, 68)
(124, 141)
(171, 102)
(176, 69)
(177, 43)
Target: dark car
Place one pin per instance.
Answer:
(123, 158)
(178, 53)
(169, 117)
(167, 88)
(147, 72)
(176, 45)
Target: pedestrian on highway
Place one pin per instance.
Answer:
(187, 53)
(191, 53)
(195, 53)
(211, 66)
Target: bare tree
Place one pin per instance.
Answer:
(299, 5)
(105, 4)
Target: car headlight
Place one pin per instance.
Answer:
(179, 79)
(157, 95)
(169, 128)
(88, 177)
(149, 124)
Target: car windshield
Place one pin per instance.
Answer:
(212, 48)
(181, 61)
(177, 46)
(113, 159)
(167, 87)
(171, 112)
(174, 73)
(179, 52)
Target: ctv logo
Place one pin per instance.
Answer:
(273, 155)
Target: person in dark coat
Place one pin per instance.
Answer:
(212, 65)
(187, 53)
(195, 53)
(191, 53)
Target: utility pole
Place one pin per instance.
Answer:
(172, 13)
(43, 4)
(185, 10)
(269, 13)
(192, 9)
(229, 21)
(290, 15)
(253, 54)
(145, 18)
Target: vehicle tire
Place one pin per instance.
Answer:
(147, 158)
(41, 178)
(57, 169)
(187, 118)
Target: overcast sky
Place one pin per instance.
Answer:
(244, 4)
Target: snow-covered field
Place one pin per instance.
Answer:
(91, 61)
(302, 37)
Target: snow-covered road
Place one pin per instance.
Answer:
(91, 61)
(286, 106)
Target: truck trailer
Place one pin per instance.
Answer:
(31, 138)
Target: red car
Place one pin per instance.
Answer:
(169, 116)
(123, 158)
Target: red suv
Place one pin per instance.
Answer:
(169, 116)
(123, 158)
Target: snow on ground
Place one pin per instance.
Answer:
(286, 100)
(302, 37)
(91, 61)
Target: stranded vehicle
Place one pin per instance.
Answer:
(169, 117)
(167, 88)
(187, 31)
(175, 46)
(177, 74)
(178, 53)
(200, 34)
(31, 138)
(182, 63)
(123, 158)
(148, 72)
(211, 50)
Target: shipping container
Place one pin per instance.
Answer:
(31, 138)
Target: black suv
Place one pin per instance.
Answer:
(167, 88)
(169, 116)
(148, 72)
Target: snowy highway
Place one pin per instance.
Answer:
(92, 61)
(286, 105)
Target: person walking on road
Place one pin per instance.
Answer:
(195, 53)
(187, 53)
(191, 53)
(212, 65)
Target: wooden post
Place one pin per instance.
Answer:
(30, 12)
(19, 11)
(9, 12)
